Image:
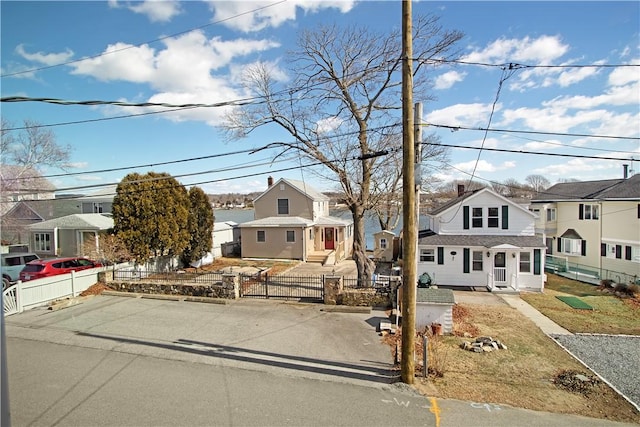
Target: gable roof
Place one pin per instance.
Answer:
(459, 200)
(300, 186)
(106, 193)
(486, 241)
(592, 190)
(94, 221)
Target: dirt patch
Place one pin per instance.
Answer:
(528, 374)
(95, 289)
(220, 264)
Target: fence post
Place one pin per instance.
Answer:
(425, 355)
(73, 283)
(266, 285)
(18, 296)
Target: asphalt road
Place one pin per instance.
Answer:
(118, 361)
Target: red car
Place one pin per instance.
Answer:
(40, 268)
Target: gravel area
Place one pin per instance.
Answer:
(616, 358)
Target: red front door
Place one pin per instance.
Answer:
(329, 238)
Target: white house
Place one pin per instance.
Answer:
(482, 239)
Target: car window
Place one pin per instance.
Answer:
(84, 262)
(32, 268)
(29, 258)
(15, 260)
(57, 265)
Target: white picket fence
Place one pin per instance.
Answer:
(35, 293)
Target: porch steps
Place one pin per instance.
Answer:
(320, 257)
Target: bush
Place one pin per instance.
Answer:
(606, 284)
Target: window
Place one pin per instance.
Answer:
(551, 214)
(383, 243)
(492, 220)
(525, 262)
(291, 236)
(571, 246)
(477, 261)
(261, 236)
(283, 206)
(427, 255)
(476, 217)
(589, 212)
(97, 208)
(42, 242)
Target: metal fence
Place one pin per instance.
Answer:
(309, 288)
(586, 273)
(377, 282)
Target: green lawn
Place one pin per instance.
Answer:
(610, 314)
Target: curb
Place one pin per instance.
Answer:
(166, 297)
(346, 309)
(59, 305)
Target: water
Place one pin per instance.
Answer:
(371, 223)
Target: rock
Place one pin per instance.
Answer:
(487, 349)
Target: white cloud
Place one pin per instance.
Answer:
(45, 58)
(256, 15)
(542, 50)
(77, 165)
(624, 75)
(484, 166)
(617, 95)
(447, 80)
(462, 115)
(157, 11)
(328, 125)
(120, 61)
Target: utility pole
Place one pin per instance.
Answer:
(417, 123)
(409, 241)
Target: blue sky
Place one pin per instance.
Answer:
(160, 60)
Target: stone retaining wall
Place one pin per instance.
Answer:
(227, 289)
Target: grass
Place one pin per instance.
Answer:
(610, 314)
(520, 376)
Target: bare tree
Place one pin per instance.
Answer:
(31, 147)
(108, 249)
(386, 193)
(537, 182)
(342, 109)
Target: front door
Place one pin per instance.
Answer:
(500, 267)
(329, 240)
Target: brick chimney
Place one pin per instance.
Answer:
(460, 190)
(269, 182)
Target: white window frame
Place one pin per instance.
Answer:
(524, 261)
(571, 246)
(290, 236)
(551, 214)
(495, 217)
(383, 243)
(475, 217)
(42, 242)
(592, 211)
(477, 261)
(428, 255)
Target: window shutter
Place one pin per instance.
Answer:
(581, 211)
(603, 249)
(505, 217)
(465, 260)
(440, 255)
(465, 217)
(536, 261)
(559, 244)
(584, 248)
(627, 253)
(619, 251)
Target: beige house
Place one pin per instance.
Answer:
(593, 225)
(292, 222)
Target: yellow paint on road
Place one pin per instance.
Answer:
(435, 410)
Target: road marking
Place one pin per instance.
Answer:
(488, 406)
(435, 410)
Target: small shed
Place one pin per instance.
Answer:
(383, 245)
(435, 305)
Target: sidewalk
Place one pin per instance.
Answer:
(547, 325)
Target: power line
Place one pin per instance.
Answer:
(33, 70)
(239, 102)
(515, 65)
(502, 150)
(584, 135)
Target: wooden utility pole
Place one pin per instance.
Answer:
(409, 241)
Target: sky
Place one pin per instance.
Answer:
(573, 111)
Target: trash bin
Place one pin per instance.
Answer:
(424, 281)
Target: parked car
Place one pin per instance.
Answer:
(51, 267)
(12, 265)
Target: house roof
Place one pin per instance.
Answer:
(76, 222)
(487, 241)
(224, 225)
(592, 190)
(300, 186)
(278, 221)
(571, 234)
(332, 220)
(435, 296)
(443, 207)
(106, 193)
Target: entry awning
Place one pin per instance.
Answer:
(571, 234)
